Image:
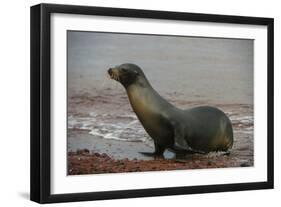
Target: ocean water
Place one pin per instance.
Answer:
(219, 70)
(188, 71)
(126, 126)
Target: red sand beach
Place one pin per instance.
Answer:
(82, 162)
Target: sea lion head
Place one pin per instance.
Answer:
(127, 74)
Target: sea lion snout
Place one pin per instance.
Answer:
(113, 73)
(110, 72)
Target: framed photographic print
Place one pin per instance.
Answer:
(133, 103)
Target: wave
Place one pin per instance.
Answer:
(242, 123)
(126, 127)
(108, 126)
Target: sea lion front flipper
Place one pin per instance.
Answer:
(152, 154)
(159, 150)
(149, 154)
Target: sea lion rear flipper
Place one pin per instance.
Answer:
(180, 143)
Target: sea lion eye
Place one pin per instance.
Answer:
(123, 70)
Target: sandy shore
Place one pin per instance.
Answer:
(81, 139)
(110, 156)
(86, 162)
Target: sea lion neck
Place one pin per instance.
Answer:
(139, 92)
(141, 82)
(143, 97)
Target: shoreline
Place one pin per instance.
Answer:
(83, 162)
(81, 140)
(112, 156)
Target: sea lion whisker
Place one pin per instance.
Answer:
(104, 80)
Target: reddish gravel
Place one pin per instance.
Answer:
(82, 162)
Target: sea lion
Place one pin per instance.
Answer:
(196, 130)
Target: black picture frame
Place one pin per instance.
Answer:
(41, 98)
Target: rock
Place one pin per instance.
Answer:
(83, 151)
(245, 164)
